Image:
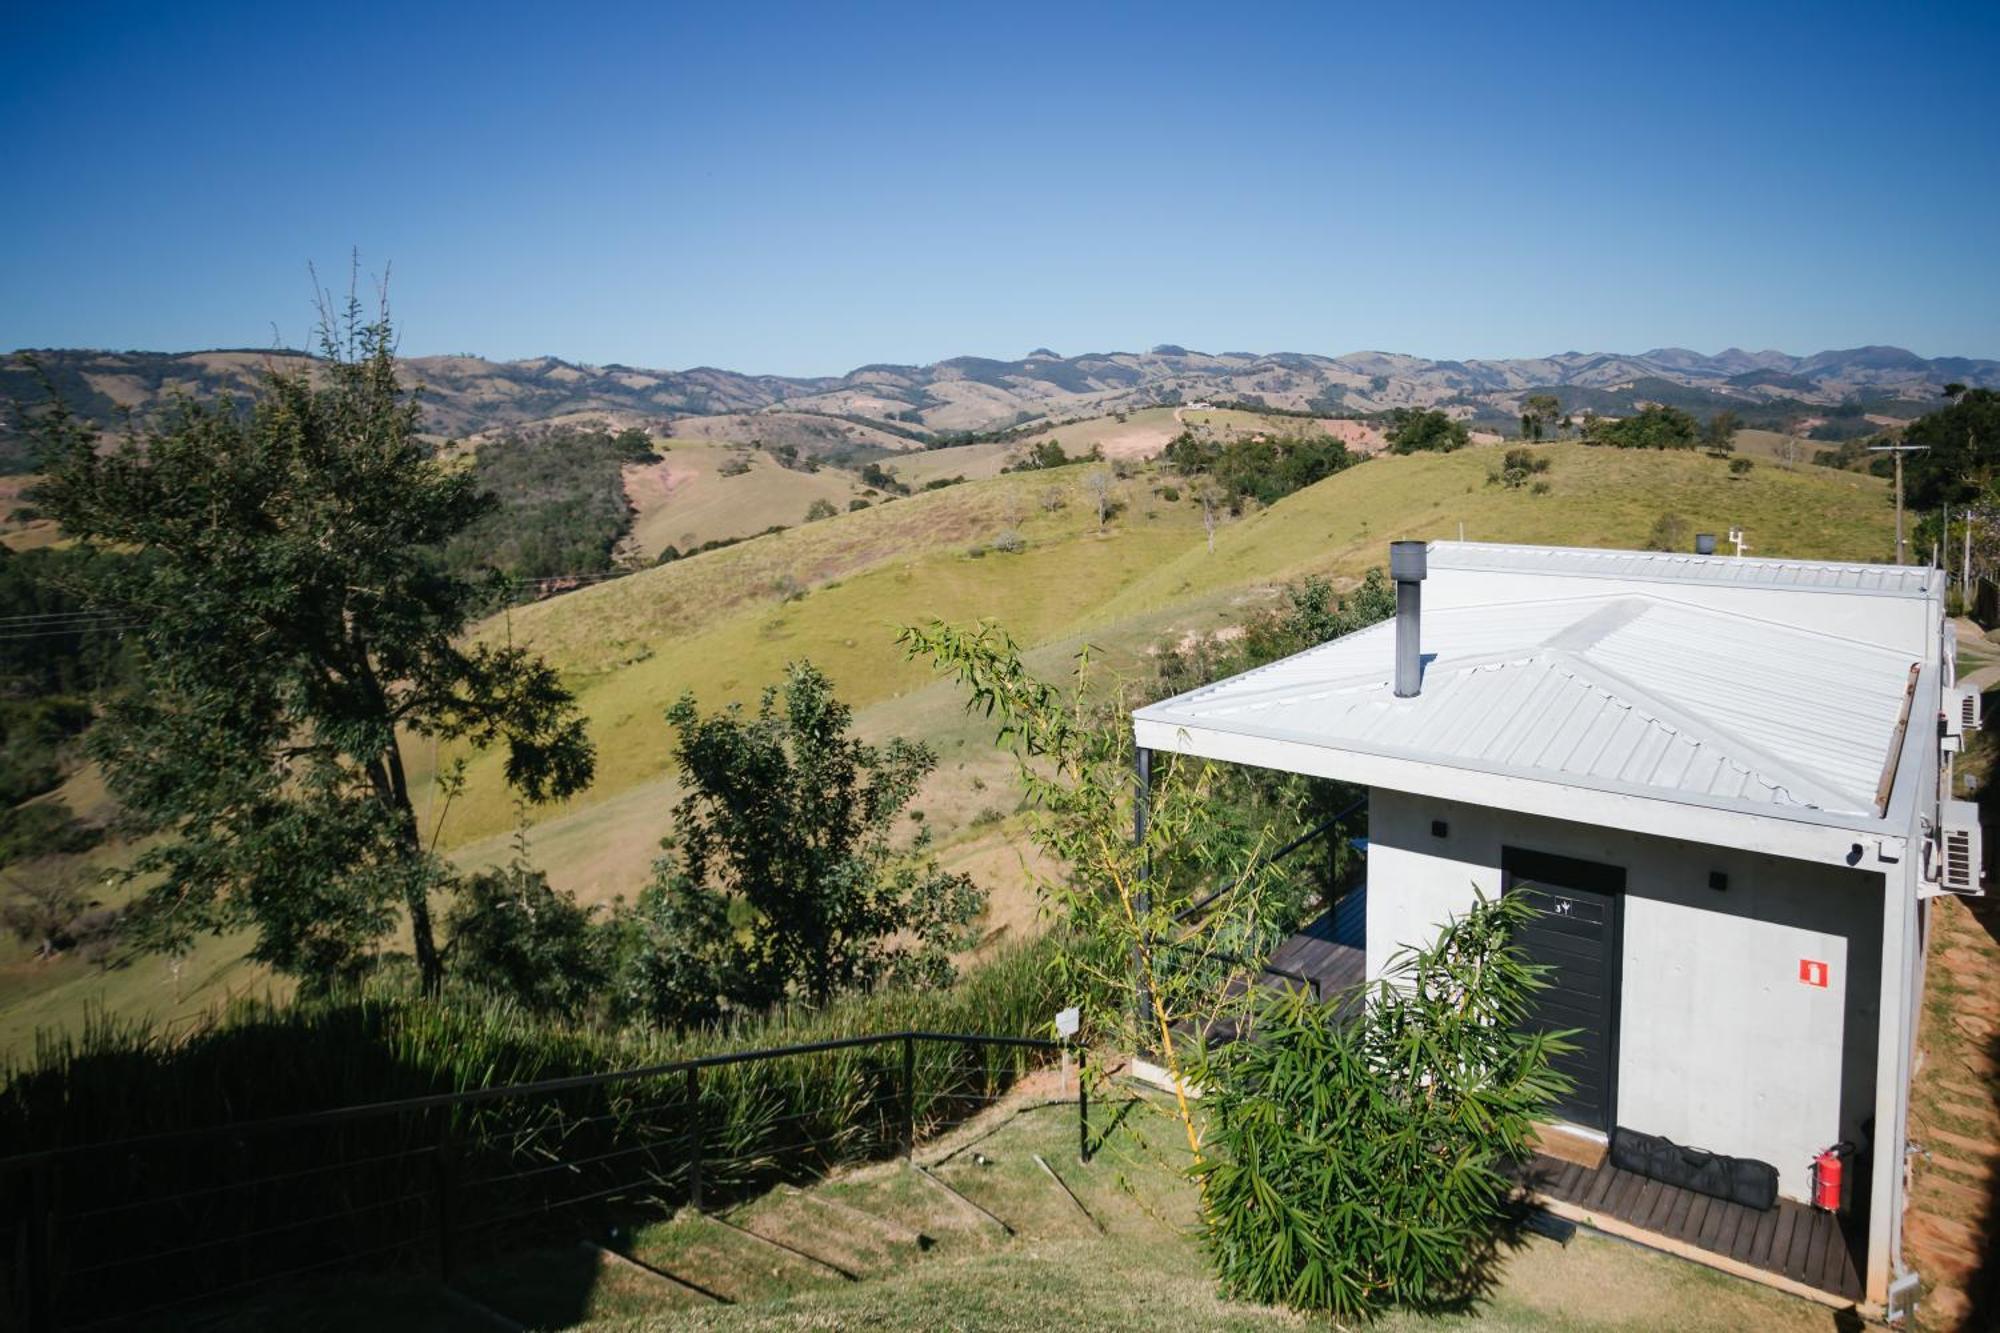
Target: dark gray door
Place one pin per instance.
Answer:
(1575, 934)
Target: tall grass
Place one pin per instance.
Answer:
(134, 1223)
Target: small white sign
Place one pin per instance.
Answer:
(1068, 1021)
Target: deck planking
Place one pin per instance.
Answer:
(1791, 1240)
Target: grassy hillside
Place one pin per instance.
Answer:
(688, 498)
(724, 624)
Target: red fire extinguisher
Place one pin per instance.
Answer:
(1828, 1176)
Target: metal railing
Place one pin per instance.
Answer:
(140, 1228)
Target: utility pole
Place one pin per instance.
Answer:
(1898, 450)
(1965, 569)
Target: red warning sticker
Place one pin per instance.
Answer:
(1813, 972)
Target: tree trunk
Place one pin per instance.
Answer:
(430, 967)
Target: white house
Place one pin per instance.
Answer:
(1727, 781)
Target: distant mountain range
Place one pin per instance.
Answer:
(890, 405)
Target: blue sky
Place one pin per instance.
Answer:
(805, 189)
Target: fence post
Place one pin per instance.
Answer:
(1082, 1108)
(445, 1164)
(909, 1098)
(694, 1136)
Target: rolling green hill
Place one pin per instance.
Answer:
(723, 625)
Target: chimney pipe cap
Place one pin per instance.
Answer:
(1704, 543)
(1408, 561)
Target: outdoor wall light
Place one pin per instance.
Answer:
(1718, 881)
(1439, 828)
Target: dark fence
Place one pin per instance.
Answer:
(143, 1229)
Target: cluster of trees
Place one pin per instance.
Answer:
(558, 503)
(788, 878)
(1412, 430)
(882, 479)
(1049, 453)
(1659, 426)
(290, 622)
(1261, 468)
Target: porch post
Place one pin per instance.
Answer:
(1142, 1008)
(1896, 1021)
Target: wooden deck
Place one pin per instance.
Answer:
(1803, 1245)
(1333, 950)
(1328, 954)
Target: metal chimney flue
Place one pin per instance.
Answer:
(1704, 543)
(1407, 566)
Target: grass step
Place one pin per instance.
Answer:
(838, 1233)
(724, 1259)
(904, 1199)
(565, 1285)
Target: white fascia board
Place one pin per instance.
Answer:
(1803, 837)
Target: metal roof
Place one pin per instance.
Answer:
(1681, 567)
(1621, 692)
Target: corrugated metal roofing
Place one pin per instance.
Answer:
(1681, 567)
(1632, 689)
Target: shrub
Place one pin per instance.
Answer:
(1010, 542)
(1739, 467)
(1670, 533)
(856, 506)
(515, 935)
(1355, 1166)
(819, 509)
(1170, 494)
(1518, 466)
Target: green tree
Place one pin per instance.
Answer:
(1358, 1165)
(819, 509)
(1412, 430)
(1653, 427)
(1719, 435)
(786, 876)
(1539, 413)
(1961, 458)
(290, 624)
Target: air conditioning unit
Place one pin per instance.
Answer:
(1966, 704)
(1958, 717)
(1960, 855)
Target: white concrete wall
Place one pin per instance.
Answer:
(1720, 1045)
(1908, 624)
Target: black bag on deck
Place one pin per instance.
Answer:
(1743, 1180)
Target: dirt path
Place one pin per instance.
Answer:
(1951, 1225)
(1953, 1217)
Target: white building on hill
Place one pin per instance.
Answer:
(1725, 781)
